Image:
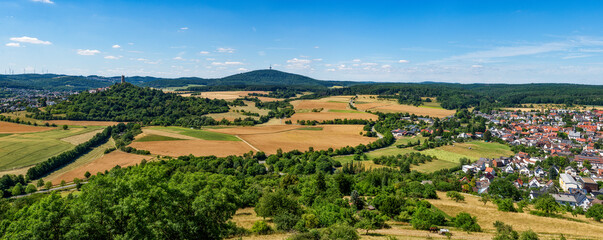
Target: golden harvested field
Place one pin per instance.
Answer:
(79, 139)
(196, 147)
(230, 95)
(322, 116)
(235, 112)
(546, 227)
(106, 162)
(372, 103)
(8, 127)
(336, 102)
(270, 138)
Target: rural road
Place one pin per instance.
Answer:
(50, 190)
(378, 134)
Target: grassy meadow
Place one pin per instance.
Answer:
(196, 133)
(447, 156)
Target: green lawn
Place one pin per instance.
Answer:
(201, 134)
(448, 156)
(153, 137)
(25, 149)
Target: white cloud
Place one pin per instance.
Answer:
(226, 63)
(43, 1)
(142, 59)
(112, 57)
(13, 44)
(31, 40)
(225, 50)
(299, 61)
(243, 69)
(331, 70)
(356, 60)
(184, 28)
(204, 52)
(386, 66)
(210, 59)
(317, 59)
(178, 58)
(87, 52)
(477, 66)
(316, 47)
(116, 46)
(369, 64)
(501, 52)
(403, 61)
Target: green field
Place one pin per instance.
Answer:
(25, 149)
(344, 111)
(310, 128)
(153, 137)
(201, 134)
(182, 88)
(448, 156)
(5, 134)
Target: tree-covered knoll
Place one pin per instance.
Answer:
(126, 102)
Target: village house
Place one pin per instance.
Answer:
(566, 182)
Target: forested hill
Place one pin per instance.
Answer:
(126, 102)
(249, 79)
(261, 78)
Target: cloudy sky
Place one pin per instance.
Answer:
(394, 41)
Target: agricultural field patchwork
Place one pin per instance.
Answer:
(373, 103)
(24, 149)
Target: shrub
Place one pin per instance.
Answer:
(528, 235)
(595, 212)
(30, 189)
(286, 221)
(456, 196)
(466, 222)
(311, 235)
(260, 227)
(506, 205)
(504, 232)
(341, 232)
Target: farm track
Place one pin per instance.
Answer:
(251, 146)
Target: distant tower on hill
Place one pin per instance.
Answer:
(123, 79)
(270, 66)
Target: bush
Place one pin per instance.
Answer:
(286, 221)
(30, 189)
(466, 222)
(312, 235)
(528, 235)
(260, 227)
(456, 196)
(341, 232)
(506, 205)
(504, 232)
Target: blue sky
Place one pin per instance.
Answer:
(393, 41)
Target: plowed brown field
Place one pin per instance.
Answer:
(8, 127)
(197, 147)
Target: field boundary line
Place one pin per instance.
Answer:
(254, 148)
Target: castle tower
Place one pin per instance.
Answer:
(123, 79)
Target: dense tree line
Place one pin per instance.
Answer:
(53, 163)
(403, 161)
(126, 102)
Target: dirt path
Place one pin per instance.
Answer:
(254, 148)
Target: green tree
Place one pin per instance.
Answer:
(504, 232)
(357, 201)
(286, 221)
(456, 196)
(547, 204)
(30, 188)
(274, 203)
(17, 189)
(485, 199)
(260, 227)
(423, 218)
(341, 232)
(370, 220)
(48, 185)
(505, 205)
(528, 235)
(595, 212)
(87, 175)
(503, 188)
(40, 183)
(466, 222)
(65, 127)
